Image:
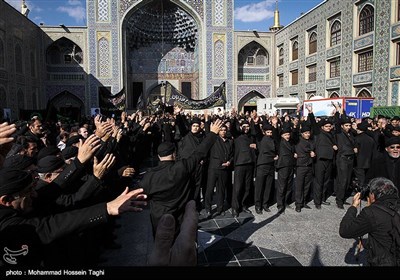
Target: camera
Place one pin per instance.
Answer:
(362, 189)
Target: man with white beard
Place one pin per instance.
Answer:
(388, 165)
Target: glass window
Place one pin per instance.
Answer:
(295, 51)
(313, 43)
(295, 77)
(336, 33)
(281, 53)
(366, 20)
(312, 73)
(280, 79)
(335, 68)
(365, 61)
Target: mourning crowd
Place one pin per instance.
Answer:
(63, 184)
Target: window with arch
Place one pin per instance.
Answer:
(364, 93)
(295, 50)
(334, 95)
(33, 65)
(281, 53)
(366, 19)
(21, 99)
(3, 99)
(2, 54)
(311, 95)
(18, 58)
(262, 58)
(64, 51)
(398, 10)
(336, 33)
(312, 47)
(398, 53)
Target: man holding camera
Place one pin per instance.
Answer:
(374, 220)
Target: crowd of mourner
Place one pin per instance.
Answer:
(62, 185)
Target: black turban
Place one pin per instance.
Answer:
(166, 149)
(49, 164)
(13, 181)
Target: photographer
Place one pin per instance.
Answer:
(373, 220)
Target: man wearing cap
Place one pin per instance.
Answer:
(186, 147)
(245, 158)
(387, 165)
(325, 147)
(347, 151)
(16, 202)
(221, 158)
(267, 154)
(305, 154)
(167, 184)
(366, 151)
(285, 168)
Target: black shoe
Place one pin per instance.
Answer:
(246, 210)
(318, 206)
(325, 203)
(281, 210)
(340, 206)
(298, 209)
(259, 211)
(266, 209)
(346, 203)
(208, 215)
(219, 213)
(235, 214)
(306, 206)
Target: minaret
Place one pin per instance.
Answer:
(24, 9)
(277, 26)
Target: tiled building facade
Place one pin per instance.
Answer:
(339, 48)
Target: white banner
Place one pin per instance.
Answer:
(322, 107)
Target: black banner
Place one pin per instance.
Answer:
(111, 104)
(216, 99)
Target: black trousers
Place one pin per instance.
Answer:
(241, 186)
(285, 184)
(263, 185)
(197, 181)
(344, 165)
(216, 178)
(360, 174)
(304, 175)
(322, 171)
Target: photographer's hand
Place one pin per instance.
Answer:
(182, 252)
(356, 200)
(6, 130)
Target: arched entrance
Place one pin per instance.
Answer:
(248, 102)
(67, 105)
(253, 63)
(162, 43)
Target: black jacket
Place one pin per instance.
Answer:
(167, 184)
(376, 223)
(266, 151)
(303, 150)
(243, 153)
(221, 152)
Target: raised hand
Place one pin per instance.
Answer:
(127, 201)
(6, 130)
(101, 168)
(216, 126)
(86, 150)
